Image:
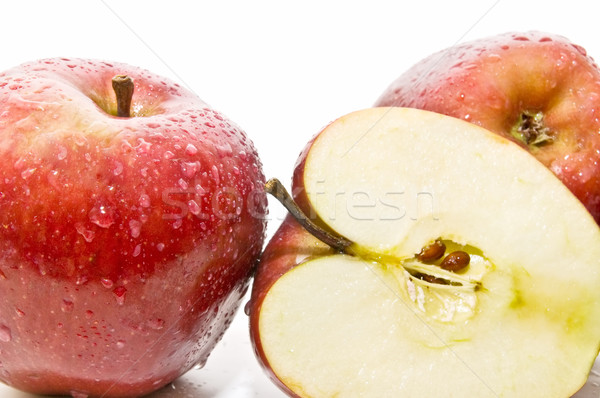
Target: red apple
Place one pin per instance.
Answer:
(127, 242)
(440, 269)
(537, 89)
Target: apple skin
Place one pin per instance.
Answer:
(126, 244)
(492, 81)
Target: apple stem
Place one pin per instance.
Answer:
(338, 243)
(123, 87)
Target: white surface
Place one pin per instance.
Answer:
(281, 70)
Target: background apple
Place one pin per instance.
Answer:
(127, 243)
(538, 89)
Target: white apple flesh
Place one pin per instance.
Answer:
(521, 320)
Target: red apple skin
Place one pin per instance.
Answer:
(491, 82)
(291, 245)
(126, 244)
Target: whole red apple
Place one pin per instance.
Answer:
(537, 89)
(126, 242)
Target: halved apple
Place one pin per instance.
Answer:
(465, 268)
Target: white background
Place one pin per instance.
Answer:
(281, 70)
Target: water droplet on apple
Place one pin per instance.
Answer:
(144, 200)
(78, 394)
(225, 150)
(168, 155)
(160, 247)
(118, 168)
(135, 227)
(119, 293)
(156, 323)
(62, 153)
(20, 313)
(25, 174)
(106, 282)
(89, 314)
(182, 184)
(200, 364)
(191, 150)
(137, 250)
(120, 344)
(193, 207)
(2, 275)
(67, 305)
(189, 169)
(177, 223)
(87, 234)
(200, 189)
(102, 216)
(214, 171)
(5, 334)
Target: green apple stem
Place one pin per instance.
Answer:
(339, 243)
(123, 87)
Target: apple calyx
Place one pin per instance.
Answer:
(531, 130)
(123, 87)
(429, 268)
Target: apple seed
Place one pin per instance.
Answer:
(455, 261)
(432, 252)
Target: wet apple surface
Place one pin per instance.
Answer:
(127, 242)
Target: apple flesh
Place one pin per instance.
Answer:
(537, 89)
(378, 318)
(127, 243)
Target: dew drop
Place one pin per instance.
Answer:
(118, 169)
(215, 174)
(5, 334)
(160, 247)
(25, 174)
(62, 153)
(225, 150)
(182, 184)
(156, 324)
(189, 169)
(200, 364)
(120, 344)
(193, 207)
(177, 223)
(107, 282)
(168, 155)
(67, 305)
(119, 293)
(89, 314)
(144, 200)
(135, 227)
(87, 234)
(191, 150)
(137, 250)
(78, 394)
(102, 216)
(20, 313)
